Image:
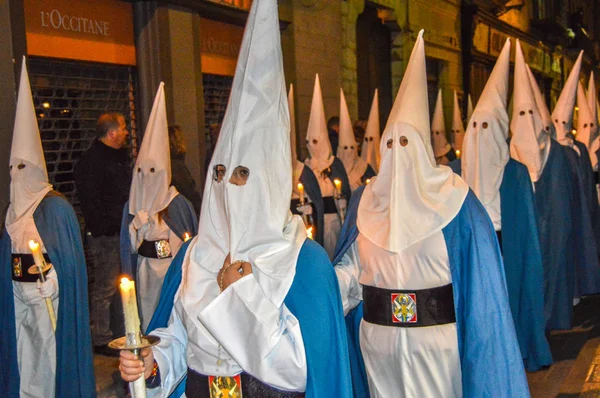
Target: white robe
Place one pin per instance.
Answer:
(403, 362)
(265, 341)
(151, 271)
(36, 345)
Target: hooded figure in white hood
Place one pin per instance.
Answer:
(327, 168)
(156, 217)
(458, 130)
(442, 150)
(469, 107)
(304, 182)
(253, 305)
(37, 360)
(562, 115)
(414, 234)
(357, 169)
(592, 104)
(370, 148)
(504, 188)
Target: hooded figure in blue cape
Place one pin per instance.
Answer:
(156, 219)
(35, 360)
(587, 268)
(312, 209)
(256, 305)
(549, 169)
(418, 261)
(328, 169)
(504, 188)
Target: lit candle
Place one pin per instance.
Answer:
(38, 258)
(133, 336)
(309, 232)
(186, 237)
(458, 153)
(368, 181)
(130, 309)
(338, 186)
(301, 193)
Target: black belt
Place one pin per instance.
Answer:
(197, 386)
(409, 308)
(329, 205)
(155, 249)
(20, 265)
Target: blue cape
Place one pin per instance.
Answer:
(369, 173)
(489, 352)
(314, 299)
(181, 218)
(587, 268)
(523, 267)
(554, 205)
(311, 186)
(58, 227)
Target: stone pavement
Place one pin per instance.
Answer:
(575, 373)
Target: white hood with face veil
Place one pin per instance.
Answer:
(411, 198)
(29, 177)
(151, 188)
(370, 146)
(252, 221)
(486, 151)
(562, 115)
(317, 136)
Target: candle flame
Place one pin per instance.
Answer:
(126, 284)
(33, 245)
(300, 186)
(337, 182)
(309, 232)
(186, 237)
(368, 181)
(457, 153)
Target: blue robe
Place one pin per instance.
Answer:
(489, 351)
(311, 186)
(314, 300)
(554, 204)
(587, 268)
(589, 190)
(523, 267)
(59, 229)
(181, 218)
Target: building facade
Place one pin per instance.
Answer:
(86, 57)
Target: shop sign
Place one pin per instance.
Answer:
(87, 30)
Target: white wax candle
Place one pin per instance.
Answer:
(301, 193)
(338, 186)
(309, 233)
(36, 251)
(130, 309)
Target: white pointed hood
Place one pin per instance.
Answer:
(251, 220)
(458, 130)
(151, 188)
(526, 144)
(485, 150)
(469, 107)
(29, 177)
(562, 115)
(593, 105)
(411, 198)
(438, 128)
(585, 121)
(370, 146)
(320, 155)
(347, 150)
(540, 103)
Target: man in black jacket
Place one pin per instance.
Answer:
(102, 178)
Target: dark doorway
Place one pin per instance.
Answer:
(373, 61)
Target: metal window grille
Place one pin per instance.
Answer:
(68, 97)
(216, 95)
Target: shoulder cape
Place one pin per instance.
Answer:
(314, 299)
(587, 268)
(489, 352)
(554, 204)
(311, 186)
(181, 218)
(58, 227)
